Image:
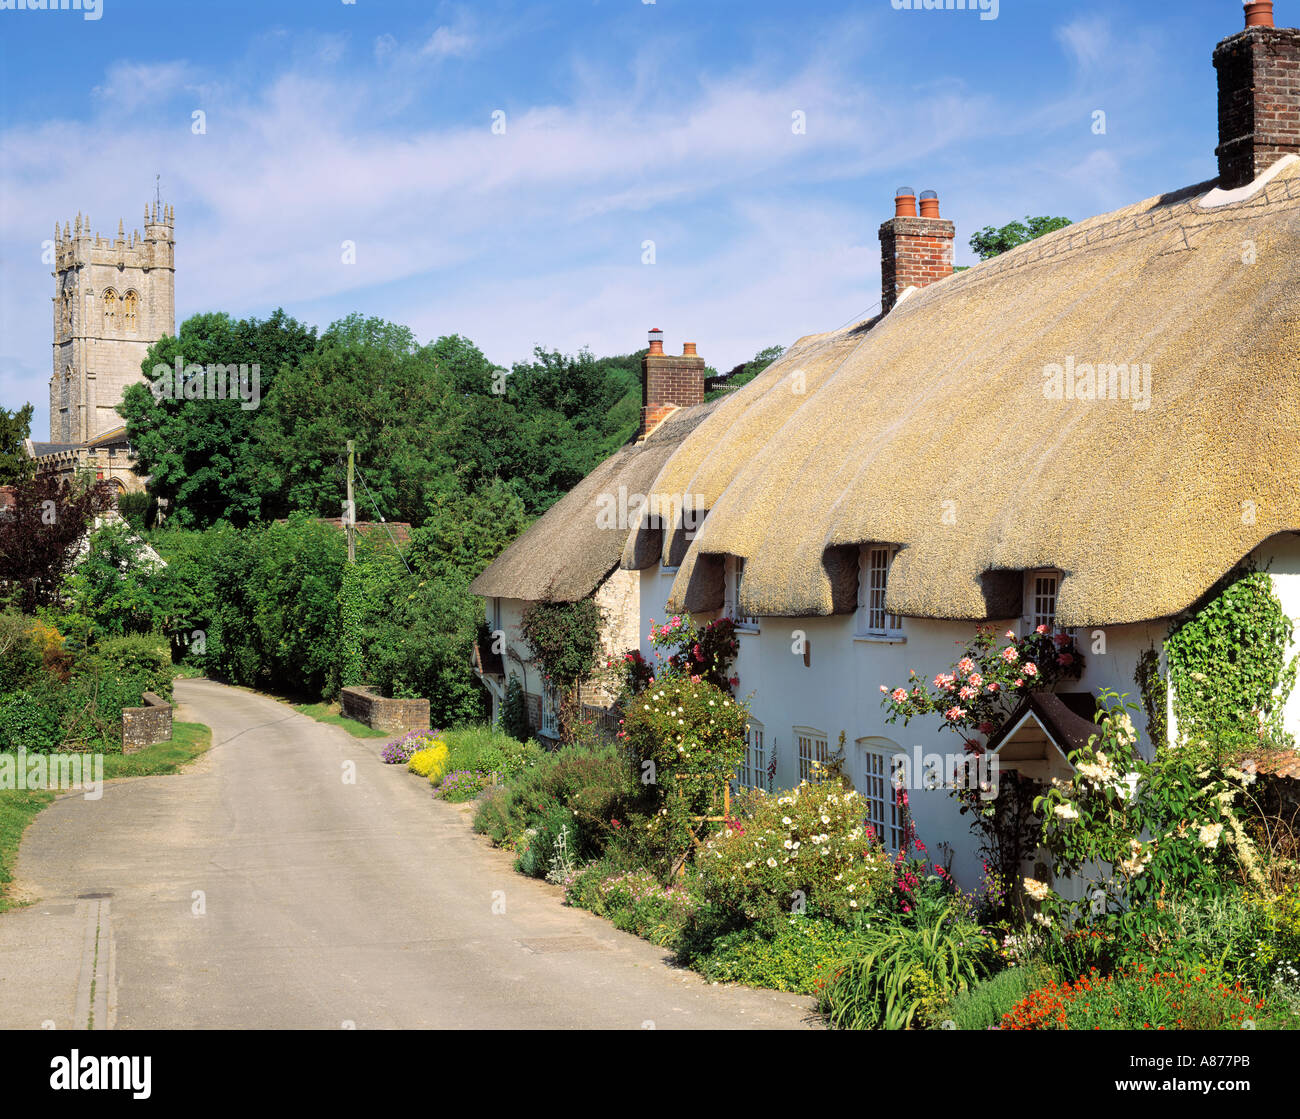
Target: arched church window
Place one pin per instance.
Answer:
(130, 302)
(110, 310)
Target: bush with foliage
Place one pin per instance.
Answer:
(430, 762)
(685, 738)
(565, 638)
(116, 583)
(808, 850)
(912, 967)
(797, 953)
(514, 711)
(635, 901)
(400, 750)
(984, 1005)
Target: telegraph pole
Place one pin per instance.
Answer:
(351, 515)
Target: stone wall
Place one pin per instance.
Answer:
(396, 715)
(143, 726)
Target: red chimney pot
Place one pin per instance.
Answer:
(929, 204)
(688, 349)
(1259, 13)
(905, 203)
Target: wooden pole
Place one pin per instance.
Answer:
(352, 507)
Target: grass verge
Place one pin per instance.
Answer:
(329, 713)
(18, 807)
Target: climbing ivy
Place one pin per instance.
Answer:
(1154, 690)
(1227, 665)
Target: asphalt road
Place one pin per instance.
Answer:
(263, 889)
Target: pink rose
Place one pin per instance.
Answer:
(1041, 629)
(1010, 655)
(1031, 669)
(899, 695)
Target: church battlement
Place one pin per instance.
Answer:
(113, 298)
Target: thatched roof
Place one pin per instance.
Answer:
(577, 542)
(932, 430)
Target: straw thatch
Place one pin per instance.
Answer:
(932, 431)
(576, 543)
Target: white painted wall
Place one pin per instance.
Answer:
(840, 689)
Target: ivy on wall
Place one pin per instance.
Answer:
(1154, 690)
(1228, 668)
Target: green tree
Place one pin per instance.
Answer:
(199, 453)
(990, 242)
(746, 371)
(115, 583)
(15, 427)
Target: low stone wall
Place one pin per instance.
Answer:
(397, 715)
(143, 726)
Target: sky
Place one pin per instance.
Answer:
(569, 174)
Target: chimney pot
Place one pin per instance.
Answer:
(1259, 13)
(929, 204)
(656, 340)
(905, 203)
(688, 349)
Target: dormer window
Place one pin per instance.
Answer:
(873, 579)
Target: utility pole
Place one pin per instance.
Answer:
(350, 516)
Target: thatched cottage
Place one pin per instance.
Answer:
(1087, 432)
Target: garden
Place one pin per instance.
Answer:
(1184, 911)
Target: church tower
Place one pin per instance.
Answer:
(113, 298)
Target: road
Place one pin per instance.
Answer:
(263, 889)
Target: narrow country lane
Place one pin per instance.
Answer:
(259, 890)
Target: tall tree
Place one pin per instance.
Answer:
(15, 427)
(199, 453)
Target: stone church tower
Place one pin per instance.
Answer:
(112, 300)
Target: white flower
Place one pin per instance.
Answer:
(1209, 834)
(785, 819)
(771, 862)
(826, 819)
(1043, 920)
(1067, 811)
(1036, 889)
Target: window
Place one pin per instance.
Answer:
(873, 578)
(753, 766)
(812, 752)
(496, 616)
(1040, 593)
(130, 303)
(736, 577)
(880, 795)
(550, 715)
(110, 310)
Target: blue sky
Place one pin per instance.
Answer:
(625, 122)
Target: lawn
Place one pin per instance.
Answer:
(18, 807)
(329, 713)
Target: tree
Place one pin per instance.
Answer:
(745, 372)
(15, 427)
(115, 583)
(990, 242)
(199, 453)
(40, 534)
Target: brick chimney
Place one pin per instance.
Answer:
(914, 250)
(668, 382)
(1259, 97)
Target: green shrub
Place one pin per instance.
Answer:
(142, 659)
(909, 969)
(796, 954)
(514, 711)
(590, 783)
(807, 850)
(485, 750)
(635, 901)
(983, 1005)
(32, 718)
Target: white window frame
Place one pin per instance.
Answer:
(879, 792)
(550, 715)
(752, 773)
(874, 622)
(810, 745)
(735, 577)
(496, 614)
(1042, 593)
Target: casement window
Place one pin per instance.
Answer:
(873, 578)
(1041, 589)
(496, 615)
(753, 766)
(811, 745)
(735, 578)
(879, 793)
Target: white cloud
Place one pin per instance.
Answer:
(446, 43)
